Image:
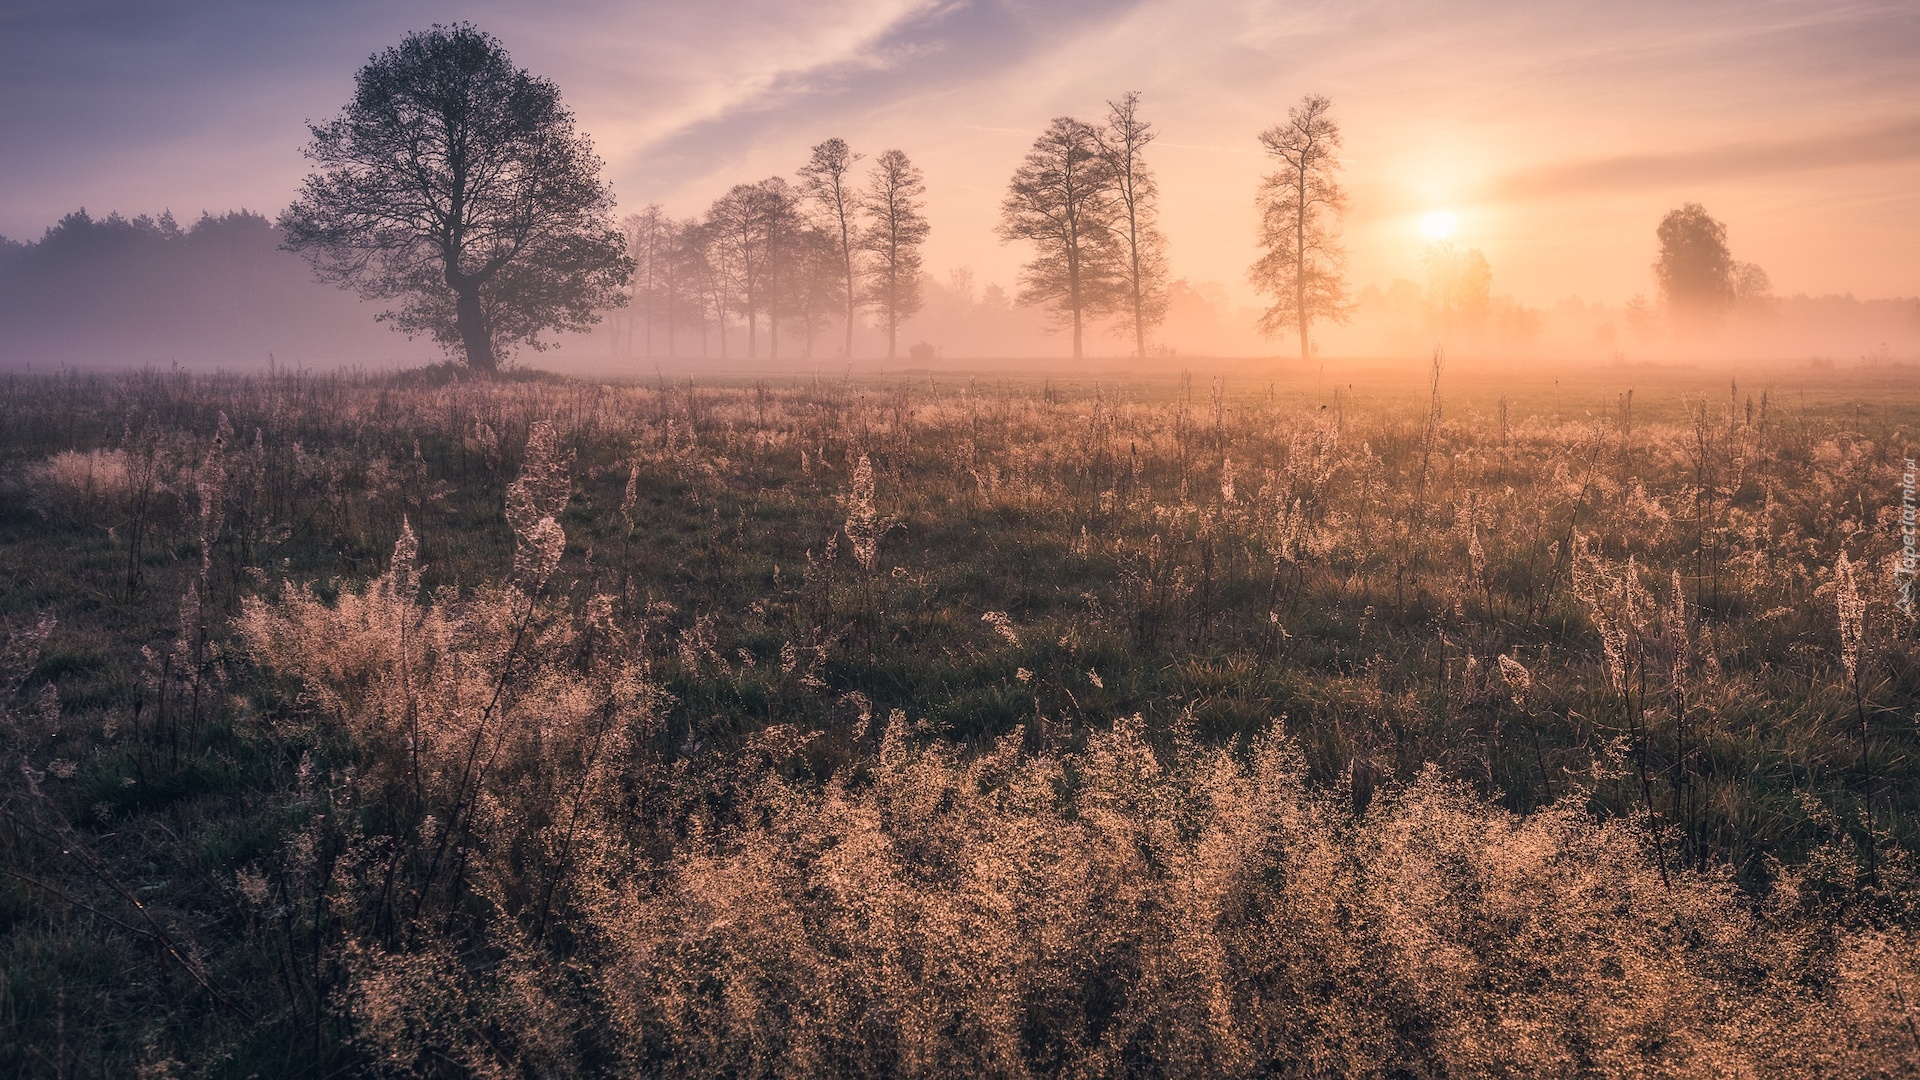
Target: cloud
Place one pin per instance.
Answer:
(1881, 145)
(725, 99)
(655, 70)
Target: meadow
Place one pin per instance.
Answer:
(1436, 722)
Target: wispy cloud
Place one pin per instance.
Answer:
(1881, 144)
(654, 70)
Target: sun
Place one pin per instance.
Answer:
(1438, 225)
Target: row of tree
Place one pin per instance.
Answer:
(1084, 197)
(1086, 200)
(455, 185)
(779, 251)
(825, 246)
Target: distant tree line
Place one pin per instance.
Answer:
(114, 290)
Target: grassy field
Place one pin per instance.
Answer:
(1367, 721)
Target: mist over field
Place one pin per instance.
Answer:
(948, 539)
(219, 293)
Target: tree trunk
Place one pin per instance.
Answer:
(1133, 252)
(846, 255)
(773, 300)
(1073, 280)
(1073, 299)
(893, 280)
(652, 247)
(893, 313)
(472, 325)
(1139, 327)
(1300, 264)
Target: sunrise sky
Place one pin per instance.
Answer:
(1556, 133)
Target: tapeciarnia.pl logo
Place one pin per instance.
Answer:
(1904, 570)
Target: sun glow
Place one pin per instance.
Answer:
(1438, 225)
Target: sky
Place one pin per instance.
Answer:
(1556, 133)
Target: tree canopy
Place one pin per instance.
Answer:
(895, 208)
(1302, 263)
(1136, 218)
(826, 180)
(1695, 269)
(455, 185)
(1062, 200)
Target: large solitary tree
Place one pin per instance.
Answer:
(455, 185)
(1695, 270)
(1301, 263)
(1061, 200)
